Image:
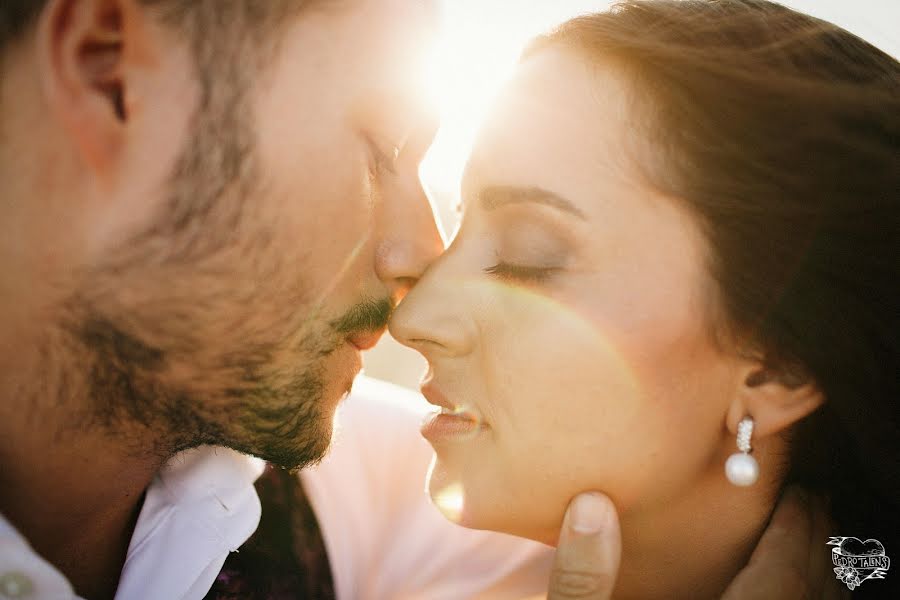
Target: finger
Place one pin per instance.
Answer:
(589, 551)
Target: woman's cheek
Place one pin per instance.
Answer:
(569, 419)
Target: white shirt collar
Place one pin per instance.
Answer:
(199, 508)
(26, 575)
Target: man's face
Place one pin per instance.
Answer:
(234, 313)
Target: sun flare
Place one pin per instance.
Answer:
(475, 54)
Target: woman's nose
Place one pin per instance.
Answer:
(432, 319)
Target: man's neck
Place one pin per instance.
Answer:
(75, 496)
(73, 488)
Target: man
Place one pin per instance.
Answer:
(208, 211)
(206, 217)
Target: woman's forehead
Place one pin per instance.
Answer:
(561, 122)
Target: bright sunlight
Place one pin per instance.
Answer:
(475, 55)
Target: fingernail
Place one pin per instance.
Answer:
(589, 513)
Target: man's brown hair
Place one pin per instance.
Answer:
(198, 17)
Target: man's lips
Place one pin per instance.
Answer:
(366, 340)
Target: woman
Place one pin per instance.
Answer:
(682, 217)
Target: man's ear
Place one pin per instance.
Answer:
(82, 47)
(775, 397)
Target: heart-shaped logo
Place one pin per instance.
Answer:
(856, 561)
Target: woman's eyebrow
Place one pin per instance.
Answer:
(496, 196)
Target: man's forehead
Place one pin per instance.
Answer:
(399, 31)
(427, 13)
(402, 39)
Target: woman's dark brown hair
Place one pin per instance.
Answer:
(781, 134)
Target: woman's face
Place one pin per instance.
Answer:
(567, 320)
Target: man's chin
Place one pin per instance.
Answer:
(305, 449)
(299, 435)
(295, 457)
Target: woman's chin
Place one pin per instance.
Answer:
(466, 503)
(449, 494)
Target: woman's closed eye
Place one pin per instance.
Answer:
(521, 273)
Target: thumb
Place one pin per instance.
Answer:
(590, 547)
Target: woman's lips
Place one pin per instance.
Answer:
(452, 422)
(435, 396)
(444, 426)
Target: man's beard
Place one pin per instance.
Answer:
(241, 403)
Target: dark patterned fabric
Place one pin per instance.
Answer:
(285, 559)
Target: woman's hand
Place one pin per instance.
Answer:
(589, 550)
(789, 562)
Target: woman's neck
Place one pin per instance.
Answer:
(693, 546)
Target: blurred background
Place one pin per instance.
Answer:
(476, 54)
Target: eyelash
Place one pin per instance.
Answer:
(509, 272)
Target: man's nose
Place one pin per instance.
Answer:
(410, 238)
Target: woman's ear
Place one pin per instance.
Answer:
(776, 398)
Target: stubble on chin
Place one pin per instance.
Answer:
(110, 381)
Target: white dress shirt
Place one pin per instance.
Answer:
(199, 508)
(384, 538)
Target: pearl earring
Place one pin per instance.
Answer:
(741, 468)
